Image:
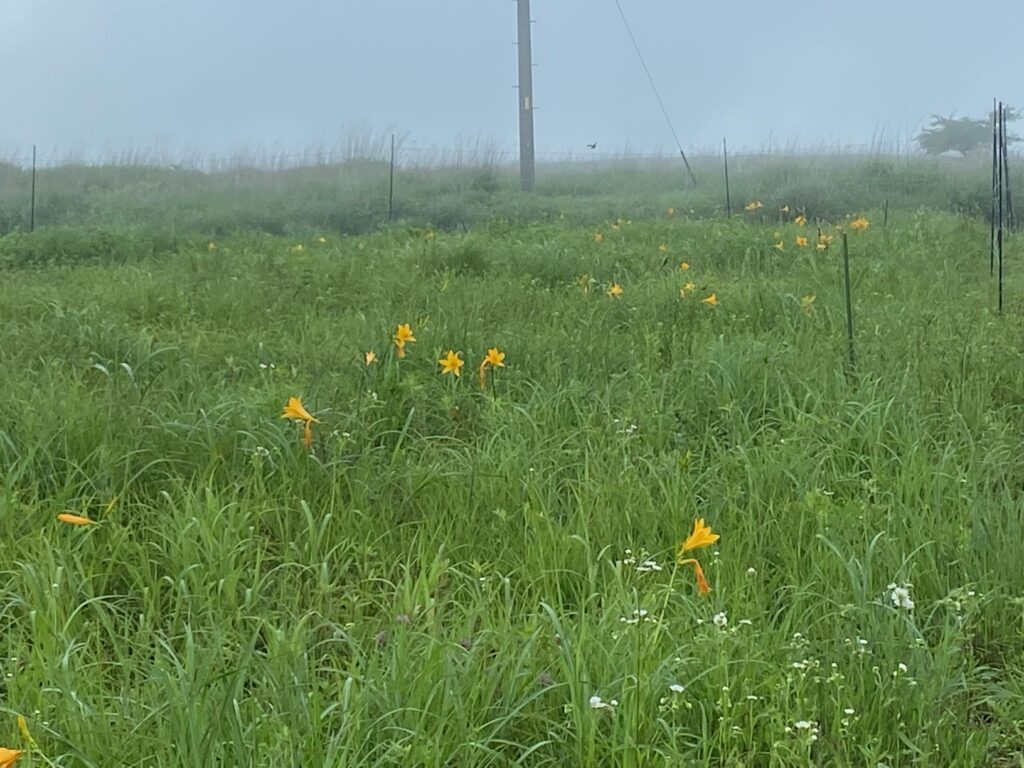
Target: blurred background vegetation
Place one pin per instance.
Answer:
(347, 191)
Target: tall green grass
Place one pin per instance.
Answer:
(350, 195)
(451, 575)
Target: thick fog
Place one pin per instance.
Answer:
(221, 75)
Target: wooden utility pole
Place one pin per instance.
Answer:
(527, 172)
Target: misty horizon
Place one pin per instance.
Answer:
(111, 76)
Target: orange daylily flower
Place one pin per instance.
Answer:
(8, 757)
(452, 363)
(702, 536)
(296, 411)
(495, 358)
(71, 519)
(403, 335)
(711, 301)
(702, 583)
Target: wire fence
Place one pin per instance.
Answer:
(357, 186)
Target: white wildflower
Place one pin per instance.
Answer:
(807, 728)
(638, 616)
(900, 596)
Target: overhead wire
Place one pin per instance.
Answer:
(657, 94)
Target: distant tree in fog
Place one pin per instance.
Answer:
(961, 134)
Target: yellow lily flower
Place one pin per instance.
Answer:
(70, 519)
(452, 363)
(494, 358)
(295, 410)
(702, 536)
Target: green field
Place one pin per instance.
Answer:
(224, 197)
(451, 574)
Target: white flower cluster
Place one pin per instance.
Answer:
(805, 728)
(596, 702)
(639, 614)
(643, 564)
(648, 566)
(900, 596)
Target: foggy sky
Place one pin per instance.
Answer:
(221, 75)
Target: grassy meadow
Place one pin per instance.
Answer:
(457, 575)
(218, 197)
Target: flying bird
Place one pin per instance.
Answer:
(592, 146)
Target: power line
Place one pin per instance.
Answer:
(654, 87)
